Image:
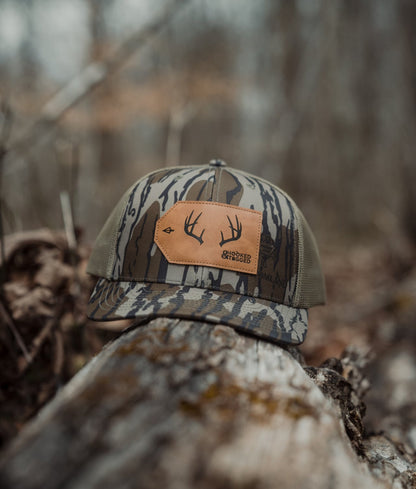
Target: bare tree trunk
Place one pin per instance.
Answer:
(179, 404)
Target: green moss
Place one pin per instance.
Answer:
(152, 347)
(227, 400)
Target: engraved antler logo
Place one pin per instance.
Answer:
(189, 227)
(235, 231)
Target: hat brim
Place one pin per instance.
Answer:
(274, 322)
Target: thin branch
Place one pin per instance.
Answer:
(59, 353)
(91, 77)
(180, 115)
(73, 178)
(6, 127)
(45, 332)
(17, 336)
(68, 221)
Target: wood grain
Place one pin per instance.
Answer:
(180, 404)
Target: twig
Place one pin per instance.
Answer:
(92, 76)
(73, 179)
(45, 332)
(10, 324)
(7, 124)
(180, 115)
(6, 128)
(71, 238)
(59, 357)
(2, 244)
(68, 221)
(68, 205)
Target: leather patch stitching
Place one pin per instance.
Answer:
(210, 234)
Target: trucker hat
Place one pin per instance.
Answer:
(211, 243)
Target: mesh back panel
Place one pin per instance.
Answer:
(311, 286)
(102, 257)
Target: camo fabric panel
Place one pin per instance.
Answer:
(274, 322)
(137, 257)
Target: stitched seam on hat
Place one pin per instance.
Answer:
(113, 246)
(112, 253)
(209, 197)
(219, 183)
(300, 256)
(203, 275)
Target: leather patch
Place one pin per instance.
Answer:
(210, 234)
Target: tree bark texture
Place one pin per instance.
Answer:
(179, 404)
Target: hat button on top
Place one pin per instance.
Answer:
(218, 163)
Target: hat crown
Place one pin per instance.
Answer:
(288, 270)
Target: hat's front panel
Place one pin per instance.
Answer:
(138, 258)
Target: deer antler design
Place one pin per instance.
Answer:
(189, 227)
(235, 231)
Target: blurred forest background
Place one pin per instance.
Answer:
(317, 96)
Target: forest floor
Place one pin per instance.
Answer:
(45, 338)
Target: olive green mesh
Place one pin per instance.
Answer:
(103, 254)
(311, 286)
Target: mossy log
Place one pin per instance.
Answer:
(180, 404)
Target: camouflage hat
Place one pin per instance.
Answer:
(210, 243)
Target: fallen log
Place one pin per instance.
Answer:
(181, 404)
